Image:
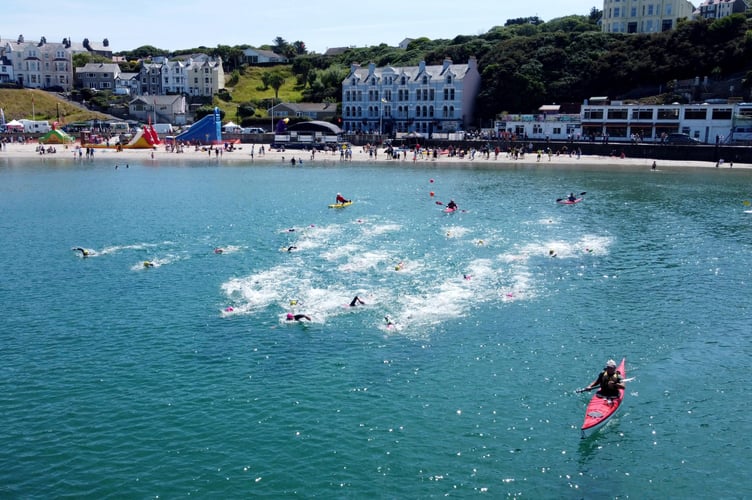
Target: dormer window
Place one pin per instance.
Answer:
(449, 79)
(425, 80)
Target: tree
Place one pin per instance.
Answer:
(246, 109)
(207, 110)
(300, 48)
(276, 81)
(535, 21)
(280, 45)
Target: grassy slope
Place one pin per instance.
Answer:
(17, 105)
(250, 89)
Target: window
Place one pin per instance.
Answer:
(722, 114)
(695, 113)
(593, 114)
(617, 114)
(668, 114)
(642, 114)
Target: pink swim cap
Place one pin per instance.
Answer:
(290, 316)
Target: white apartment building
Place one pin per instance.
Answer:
(423, 99)
(644, 16)
(38, 64)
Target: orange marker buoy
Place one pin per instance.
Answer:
(432, 193)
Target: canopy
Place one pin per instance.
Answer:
(14, 124)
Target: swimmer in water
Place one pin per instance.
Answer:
(148, 263)
(218, 250)
(291, 248)
(389, 323)
(297, 317)
(355, 301)
(551, 253)
(84, 252)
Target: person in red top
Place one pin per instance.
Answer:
(342, 199)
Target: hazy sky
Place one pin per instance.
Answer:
(320, 24)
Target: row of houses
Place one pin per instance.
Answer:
(49, 65)
(198, 76)
(601, 120)
(42, 64)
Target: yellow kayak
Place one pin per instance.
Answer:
(341, 205)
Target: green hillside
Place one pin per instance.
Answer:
(248, 87)
(30, 104)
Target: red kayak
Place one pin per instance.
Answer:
(449, 210)
(600, 409)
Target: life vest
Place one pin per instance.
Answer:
(606, 378)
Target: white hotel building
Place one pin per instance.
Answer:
(423, 99)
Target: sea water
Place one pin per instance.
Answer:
(185, 378)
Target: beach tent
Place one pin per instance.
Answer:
(56, 136)
(14, 125)
(231, 128)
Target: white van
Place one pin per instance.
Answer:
(36, 126)
(162, 128)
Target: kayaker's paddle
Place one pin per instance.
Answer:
(581, 194)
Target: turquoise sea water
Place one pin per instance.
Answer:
(120, 381)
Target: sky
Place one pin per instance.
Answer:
(320, 24)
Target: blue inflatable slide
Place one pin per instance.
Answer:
(208, 130)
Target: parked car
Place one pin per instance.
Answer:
(253, 130)
(681, 139)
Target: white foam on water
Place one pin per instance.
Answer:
(380, 229)
(366, 261)
(260, 290)
(134, 246)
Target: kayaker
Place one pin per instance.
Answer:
(342, 199)
(572, 197)
(452, 205)
(355, 301)
(609, 381)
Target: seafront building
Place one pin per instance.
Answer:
(618, 121)
(422, 99)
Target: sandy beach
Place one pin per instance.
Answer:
(243, 154)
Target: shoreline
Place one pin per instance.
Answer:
(242, 154)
